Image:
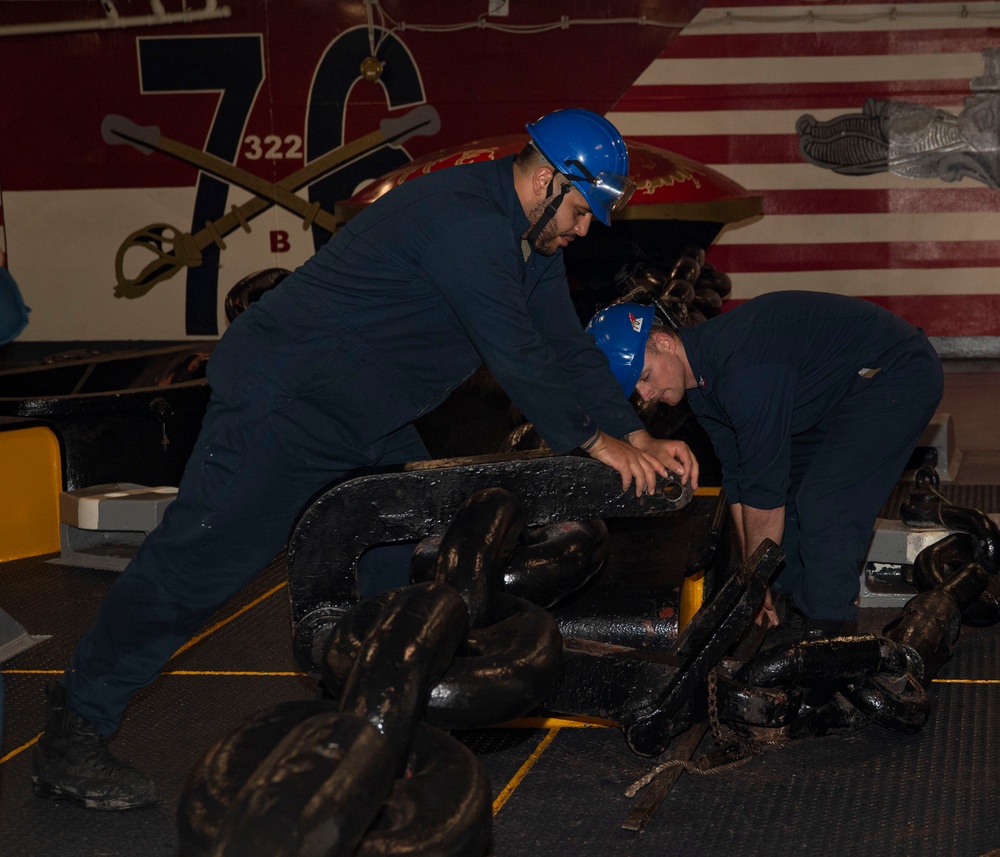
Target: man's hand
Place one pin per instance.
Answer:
(752, 527)
(630, 461)
(767, 611)
(675, 455)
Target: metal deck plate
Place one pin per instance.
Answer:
(869, 793)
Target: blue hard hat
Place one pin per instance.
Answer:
(13, 312)
(589, 151)
(621, 331)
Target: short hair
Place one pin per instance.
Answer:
(529, 158)
(659, 327)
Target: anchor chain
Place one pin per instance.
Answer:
(846, 683)
(734, 746)
(368, 769)
(362, 771)
(549, 564)
(512, 655)
(850, 681)
(340, 776)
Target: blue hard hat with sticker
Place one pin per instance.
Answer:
(621, 331)
(587, 149)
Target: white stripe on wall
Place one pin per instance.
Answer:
(896, 17)
(758, 177)
(866, 283)
(867, 228)
(727, 123)
(713, 71)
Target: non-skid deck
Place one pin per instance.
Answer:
(559, 789)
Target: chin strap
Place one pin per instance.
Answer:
(550, 211)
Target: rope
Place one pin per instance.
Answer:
(744, 749)
(690, 767)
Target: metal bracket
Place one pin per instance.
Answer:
(412, 501)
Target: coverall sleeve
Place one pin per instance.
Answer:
(755, 446)
(477, 266)
(584, 363)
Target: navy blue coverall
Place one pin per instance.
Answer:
(814, 402)
(324, 375)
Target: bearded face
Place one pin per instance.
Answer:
(546, 242)
(571, 220)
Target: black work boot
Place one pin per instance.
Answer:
(72, 762)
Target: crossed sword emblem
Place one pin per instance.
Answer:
(173, 250)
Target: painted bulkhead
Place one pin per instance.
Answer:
(747, 89)
(128, 146)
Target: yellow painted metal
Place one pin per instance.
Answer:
(692, 596)
(30, 482)
(693, 588)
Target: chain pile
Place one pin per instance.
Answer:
(847, 682)
(367, 770)
(823, 686)
(684, 295)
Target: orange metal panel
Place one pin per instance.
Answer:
(30, 482)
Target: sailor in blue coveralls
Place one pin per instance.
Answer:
(326, 373)
(814, 403)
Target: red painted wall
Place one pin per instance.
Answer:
(268, 89)
(730, 91)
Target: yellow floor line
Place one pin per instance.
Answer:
(32, 672)
(553, 724)
(567, 722)
(278, 673)
(268, 673)
(522, 772)
(209, 631)
(194, 640)
(21, 749)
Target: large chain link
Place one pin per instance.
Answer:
(358, 772)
